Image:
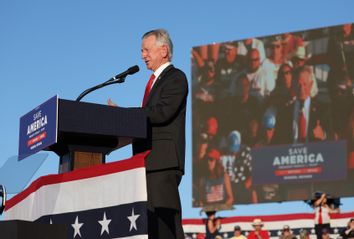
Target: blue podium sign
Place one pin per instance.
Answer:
(38, 128)
(312, 162)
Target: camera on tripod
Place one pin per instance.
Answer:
(2, 198)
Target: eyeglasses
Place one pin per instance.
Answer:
(286, 72)
(255, 59)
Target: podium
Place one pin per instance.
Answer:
(17, 229)
(81, 134)
(87, 132)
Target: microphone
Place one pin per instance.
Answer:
(120, 78)
(131, 70)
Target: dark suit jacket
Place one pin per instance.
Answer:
(320, 112)
(166, 111)
(284, 123)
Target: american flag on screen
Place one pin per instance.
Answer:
(105, 201)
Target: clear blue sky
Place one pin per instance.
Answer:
(63, 47)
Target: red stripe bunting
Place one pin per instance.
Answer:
(137, 161)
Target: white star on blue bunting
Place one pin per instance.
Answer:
(77, 227)
(132, 220)
(104, 224)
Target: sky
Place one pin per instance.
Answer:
(64, 47)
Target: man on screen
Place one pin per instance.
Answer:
(165, 104)
(310, 119)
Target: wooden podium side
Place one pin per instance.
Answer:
(86, 159)
(79, 159)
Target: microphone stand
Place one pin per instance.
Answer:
(109, 82)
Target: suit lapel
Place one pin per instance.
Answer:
(158, 82)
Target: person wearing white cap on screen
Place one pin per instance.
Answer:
(299, 60)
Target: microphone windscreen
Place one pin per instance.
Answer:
(132, 70)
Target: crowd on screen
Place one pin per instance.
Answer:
(284, 89)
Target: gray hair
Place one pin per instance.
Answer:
(307, 69)
(162, 38)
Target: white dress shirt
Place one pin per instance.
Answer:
(297, 110)
(158, 72)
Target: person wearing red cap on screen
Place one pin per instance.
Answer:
(215, 183)
(207, 137)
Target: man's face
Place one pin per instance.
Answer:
(153, 54)
(286, 232)
(211, 69)
(325, 236)
(237, 233)
(254, 60)
(304, 85)
(347, 29)
(298, 62)
(277, 49)
(257, 227)
(211, 164)
(230, 53)
(270, 133)
(248, 41)
(212, 127)
(351, 225)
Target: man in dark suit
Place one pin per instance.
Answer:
(309, 120)
(165, 104)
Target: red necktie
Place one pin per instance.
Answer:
(148, 88)
(302, 126)
(320, 216)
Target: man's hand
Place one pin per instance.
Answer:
(218, 223)
(229, 202)
(318, 131)
(205, 96)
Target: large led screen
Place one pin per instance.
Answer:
(273, 118)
